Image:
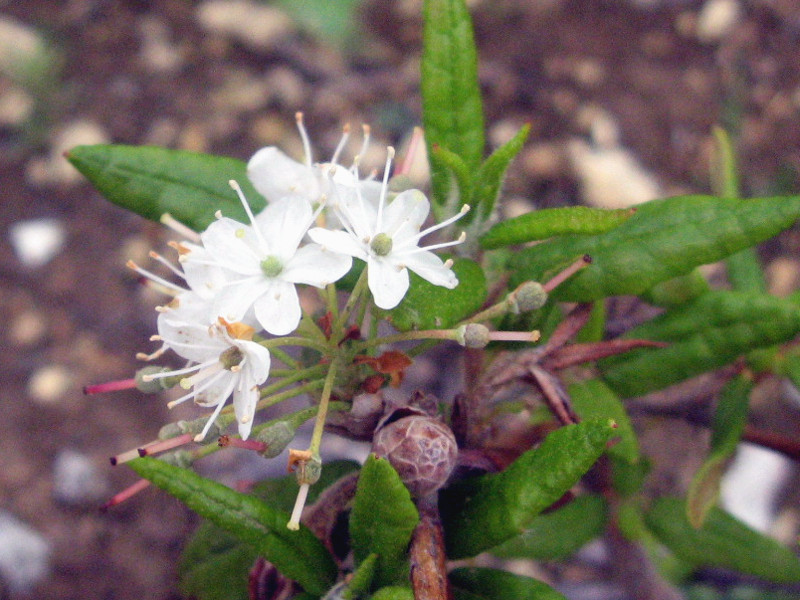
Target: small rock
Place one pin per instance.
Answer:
(611, 177)
(49, 384)
(257, 25)
(24, 554)
(717, 19)
(36, 241)
(157, 50)
(16, 106)
(76, 479)
(28, 328)
(54, 168)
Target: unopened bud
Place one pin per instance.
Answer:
(178, 458)
(473, 335)
(531, 295)
(152, 386)
(276, 437)
(172, 430)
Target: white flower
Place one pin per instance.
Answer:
(264, 261)
(223, 360)
(387, 238)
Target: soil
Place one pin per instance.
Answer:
(153, 73)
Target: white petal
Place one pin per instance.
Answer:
(256, 368)
(314, 265)
(283, 224)
(338, 241)
(387, 283)
(189, 340)
(278, 310)
(234, 300)
(404, 216)
(233, 246)
(431, 268)
(201, 275)
(219, 392)
(275, 175)
(244, 407)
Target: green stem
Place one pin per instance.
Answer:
(358, 290)
(284, 357)
(291, 393)
(294, 376)
(322, 415)
(425, 334)
(294, 341)
(332, 301)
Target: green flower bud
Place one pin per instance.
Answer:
(276, 436)
(473, 335)
(153, 386)
(529, 296)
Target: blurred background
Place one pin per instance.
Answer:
(620, 94)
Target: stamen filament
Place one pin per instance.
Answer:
(235, 185)
(367, 131)
(156, 256)
(384, 188)
(340, 146)
(154, 278)
(297, 511)
(179, 228)
(298, 117)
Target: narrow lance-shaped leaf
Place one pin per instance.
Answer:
(663, 239)
(557, 534)
(727, 426)
(722, 541)
(452, 111)
(382, 521)
(151, 181)
(480, 583)
(548, 222)
(744, 268)
(489, 178)
(703, 335)
(481, 513)
(297, 554)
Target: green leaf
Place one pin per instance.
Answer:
(393, 592)
(428, 306)
(461, 173)
(489, 178)
(151, 181)
(483, 512)
(549, 222)
(480, 583)
(215, 565)
(664, 239)
(382, 520)
(452, 111)
(677, 291)
(703, 335)
(361, 581)
(334, 22)
(726, 431)
(560, 533)
(297, 554)
(593, 399)
(722, 541)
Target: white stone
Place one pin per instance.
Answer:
(36, 241)
(24, 554)
(611, 177)
(717, 19)
(49, 384)
(752, 484)
(76, 479)
(257, 25)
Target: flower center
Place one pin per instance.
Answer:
(271, 266)
(232, 357)
(381, 244)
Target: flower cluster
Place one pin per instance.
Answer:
(241, 278)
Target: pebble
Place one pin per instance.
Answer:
(49, 384)
(611, 177)
(717, 18)
(76, 479)
(752, 484)
(256, 25)
(24, 554)
(54, 168)
(16, 106)
(28, 328)
(36, 241)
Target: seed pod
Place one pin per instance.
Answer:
(421, 448)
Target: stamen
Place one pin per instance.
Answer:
(110, 386)
(384, 187)
(367, 132)
(179, 228)
(156, 256)
(174, 289)
(202, 435)
(299, 503)
(154, 355)
(198, 389)
(128, 492)
(151, 376)
(342, 142)
(298, 116)
(249, 212)
(163, 446)
(460, 240)
(464, 210)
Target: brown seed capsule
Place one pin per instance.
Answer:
(421, 448)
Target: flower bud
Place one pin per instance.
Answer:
(276, 436)
(531, 295)
(153, 386)
(421, 448)
(473, 335)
